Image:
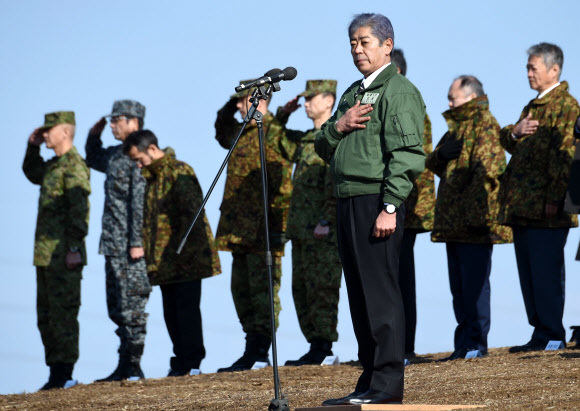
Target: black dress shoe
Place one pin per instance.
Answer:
(532, 345)
(375, 397)
(343, 400)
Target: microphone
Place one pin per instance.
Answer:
(271, 77)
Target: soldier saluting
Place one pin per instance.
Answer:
(59, 245)
(122, 237)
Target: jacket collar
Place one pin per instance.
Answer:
(467, 110)
(382, 78)
(562, 88)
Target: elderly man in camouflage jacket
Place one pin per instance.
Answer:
(420, 212)
(121, 239)
(172, 199)
(241, 225)
(316, 267)
(59, 246)
(533, 191)
(469, 160)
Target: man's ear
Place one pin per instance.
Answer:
(388, 44)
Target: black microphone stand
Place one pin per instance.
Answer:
(278, 403)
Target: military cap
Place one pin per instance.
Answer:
(58, 117)
(314, 87)
(130, 108)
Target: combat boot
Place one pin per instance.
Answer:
(319, 350)
(59, 375)
(257, 347)
(125, 370)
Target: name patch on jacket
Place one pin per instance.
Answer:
(369, 98)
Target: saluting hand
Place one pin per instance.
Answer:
(36, 138)
(97, 129)
(292, 105)
(385, 224)
(526, 126)
(353, 118)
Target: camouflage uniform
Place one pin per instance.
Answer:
(467, 206)
(537, 175)
(127, 285)
(466, 217)
(419, 215)
(172, 199)
(316, 267)
(241, 224)
(62, 224)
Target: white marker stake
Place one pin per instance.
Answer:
(330, 360)
(195, 371)
(473, 354)
(257, 365)
(70, 383)
(555, 345)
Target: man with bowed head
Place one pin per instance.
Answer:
(59, 242)
(373, 143)
(533, 190)
(172, 198)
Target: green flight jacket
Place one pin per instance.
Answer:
(63, 205)
(172, 197)
(420, 204)
(538, 171)
(387, 155)
(467, 206)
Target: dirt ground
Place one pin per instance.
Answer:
(537, 380)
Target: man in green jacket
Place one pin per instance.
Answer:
(469, 161)
(172, 198)
(316, 268)
(59, 245)
(419, 215)
(241, 225)
(374, 145)
(533, 191)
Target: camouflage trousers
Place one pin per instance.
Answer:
(58, 299)
(128, 291)
(250, 290)
(316, 277)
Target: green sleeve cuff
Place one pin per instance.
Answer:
(334, 132)
(391, 199)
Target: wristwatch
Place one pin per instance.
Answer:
(74, 249)
(389, 208)
(323, 222)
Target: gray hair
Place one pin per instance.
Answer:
(380, 26)
(470, 84)
(550, 53)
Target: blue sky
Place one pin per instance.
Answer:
(182, 60)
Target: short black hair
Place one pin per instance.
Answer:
(470, 84)
(398, 59)
(140, 121)
(141, 139)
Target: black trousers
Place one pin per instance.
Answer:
(408, 289)
(540, 259)
(183, 320)
(371, 267)
(469, 270)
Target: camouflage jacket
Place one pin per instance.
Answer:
(63, 206)
(124, 190)
(420, 204)
(466, 208)
(538, 171)
(172, 198)
(313, 193)
(241, 224)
